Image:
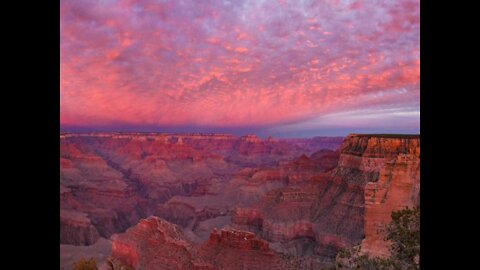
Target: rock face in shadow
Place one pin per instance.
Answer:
(76, 228)
(92, 190)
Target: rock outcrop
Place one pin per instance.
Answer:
(157, 244)
(154, 244)
(395, 160)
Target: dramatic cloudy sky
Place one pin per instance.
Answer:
(270, 67)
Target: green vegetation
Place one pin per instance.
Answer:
(116, 264)
(352, 259)
(84, 264)
(404, 233)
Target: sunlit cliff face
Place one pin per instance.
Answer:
(270, 64)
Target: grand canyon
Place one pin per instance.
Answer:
(219, 201)
(239, 134)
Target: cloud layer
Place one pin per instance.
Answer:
(268, 64)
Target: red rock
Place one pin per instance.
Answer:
(238, 240)
(248, 216)
(338, 208)
(66, 163)
(157, 244)
(292, 198)
(397, 187)
(154, 244)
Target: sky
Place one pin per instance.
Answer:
(284, 68)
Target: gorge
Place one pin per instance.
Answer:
(219, 201)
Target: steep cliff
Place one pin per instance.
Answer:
(393, 163)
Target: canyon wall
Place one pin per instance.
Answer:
(227, 202)
(108, 181)
(394, 162)
(316, 213)
(321, 213)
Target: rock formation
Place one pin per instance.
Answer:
(156, 244)
(227, 202)
(396, 162)
(321, 212)
(114, 179)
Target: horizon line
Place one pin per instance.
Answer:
(393, 135)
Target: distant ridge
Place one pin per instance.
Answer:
(412, 136)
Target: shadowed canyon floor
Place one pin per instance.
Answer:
(217, 201)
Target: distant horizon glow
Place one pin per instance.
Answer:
(278, 68)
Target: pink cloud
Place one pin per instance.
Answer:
(243, 63)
